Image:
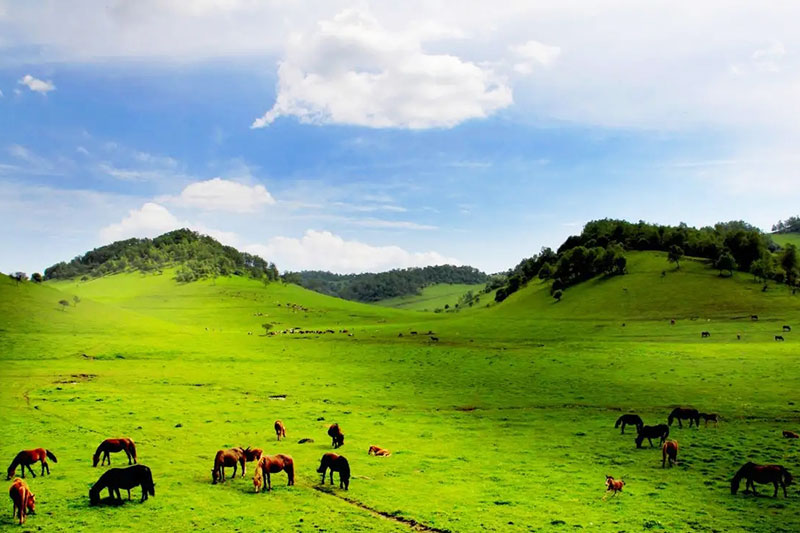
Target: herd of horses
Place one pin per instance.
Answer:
(751, 472)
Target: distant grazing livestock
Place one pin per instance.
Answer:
(336, 463)
(672, 322)
(705, 334)
(787, 328)
(791, 435)
(714, 417)
(399, 334)
(377, 451)
(629, 420)
(336, 435)
(754, 317)
(778, 337)
(661, 431)
(435, 339)
(753, 473)
(23, 499)
(272, 464)
(110, 446)
(683, 413)
(280, 429)
(613, 485)
(738, 336)
(669, 450)
(413, 332)
(230, 457)
(26, 458)
(114, 479)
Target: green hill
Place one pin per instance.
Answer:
(786, 238)
(433, 297)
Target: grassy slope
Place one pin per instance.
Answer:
(787, 238)
(546, 381)
(432, 297)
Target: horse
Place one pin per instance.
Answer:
(705, 334)
(754, 317)
(613, 485)
(252, 454)
(779, 337)
(336, 435)
(272, 464)
(714, 417)
(378, 451)
(787, 328)
(110, 446)
(23, 499)
(791, 435)
(123, 478)
(669, 450)
(26, 458)
(684, 413)
(753, 473)
(337, 463)
(229, 457)
(661, 431)
(280, 429)
(629, 420)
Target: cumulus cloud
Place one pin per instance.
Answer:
(148, 221)
(36, 85)
(352, 70)
(534, 54)
(322, 250)
(219, 194)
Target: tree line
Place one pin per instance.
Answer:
(790, 225)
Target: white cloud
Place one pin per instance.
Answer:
(322, 250)
(219, 194)
(37, 85)
(354, 71)
(150, 220)
(534, 54)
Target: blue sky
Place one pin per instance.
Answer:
(358, 136)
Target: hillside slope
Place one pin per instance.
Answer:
(432, 297)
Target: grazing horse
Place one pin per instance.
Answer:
(669, 450)
(629, 420)
(705, 334)
(272, 464)
(661, 431)
(613, 485)
(23, 498)
(753, 317)
(114, 479)
(252, 454)
(753, 473)
(714, 417)
(377, 451)
(791, 435)
(779, 337)
(229, 457)
(280, 429)
(337, 463)
(336, 435)
(787, 328)
(110, 446)
(684, 413)
(26, 458)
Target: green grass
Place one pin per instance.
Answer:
(505, 424)
(786, 238)
(433, 297)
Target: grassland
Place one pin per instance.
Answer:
(432, 297)
(786, 238)
(505, 424)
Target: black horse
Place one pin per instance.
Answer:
(123, 478)
(753, 473)
(683, 413)
(336, 435)
(629, 420)
(660, 431)
(337, 463)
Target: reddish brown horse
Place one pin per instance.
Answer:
(272, 464)
(753, 473)
(23, 498)
(684, 413)
(110, 446)
(336, 435)
(791, 435)
(280, 429)
(253, 454)
(26, 458)
(378, 451)
(613, 485)
(336, 463)
(669, 450)
(230, 457)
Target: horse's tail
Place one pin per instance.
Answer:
(289, 467)
(51, 456)
(133, 448)
(787, 477)
(151, 486)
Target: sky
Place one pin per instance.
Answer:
(357, 136)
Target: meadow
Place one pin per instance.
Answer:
(504, 424)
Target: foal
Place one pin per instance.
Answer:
(613, 485)
(669, 450)
(23, 498)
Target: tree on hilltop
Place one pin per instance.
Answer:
(674, 255)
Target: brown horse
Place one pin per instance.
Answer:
(613, 485)
(377, 451)
(253, 454)
(669, 450)
(110, 446)
(280, 429)
(684, 413)
(272, 464)
(23, 498)
(230, 457)
(336, 435)
(26, 458)
(753, 473)
(336, 463)
(791, 435)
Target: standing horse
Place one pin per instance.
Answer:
(23, 499)
(110, 446)
(336, 435)
(669, 450)
(660, 431)
(613, 485)
(280, 429)
(714, 417)
(629, 420)
(753, 473)
(272, 464)
(123, 478)
(684, 413)
(26, 458)
(337, 463)
(230, 457)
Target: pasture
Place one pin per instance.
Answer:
(434, 297)
(505, 424)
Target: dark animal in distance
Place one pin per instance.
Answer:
(435, 339)
(115, 479)
(629, 420)
(336, 435)
(613, 485)
(26, 458)
(705, 334)
(336, 463)
(661, 431)
(23, 499)
(791, 435)
(378, 451)
(272, 464)
(280, 429)
(110, 446)
(714, 417)
(753, 473)
(669, 450)
(778, 337)
(753, 317)
(230, 457)
(787, 328)
(683, 413)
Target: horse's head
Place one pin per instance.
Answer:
(94, 496)
(31, 503)
(787, 477)
(735, 485)
(95, 459)
(214, 476)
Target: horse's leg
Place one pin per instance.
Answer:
(30, 470)
(269, 481)
(129, 455)
(331, 476)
